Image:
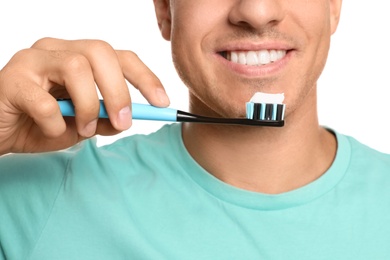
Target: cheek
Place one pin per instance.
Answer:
(189, 32)
(312, 22)
(312, 18)
(191, 19)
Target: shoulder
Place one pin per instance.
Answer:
(18, 171)
(365, 157)
(29, 184)
(32, 185)
(367, 169)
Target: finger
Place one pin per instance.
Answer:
(40, 143)
(42, 69)
(73, 71)
(107, 73)
(39, 105)
(142, 78)
(22, 93)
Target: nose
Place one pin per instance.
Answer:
(256, 14)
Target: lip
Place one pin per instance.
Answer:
(263, 71)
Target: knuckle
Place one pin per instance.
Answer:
(128, 55)
(21, 58)
(15, 70)
(87, 109)
(46, 109)
(75, 63)
(99, 46)
(149, 81)
(92, 110)
(21, 53)
(42, 43)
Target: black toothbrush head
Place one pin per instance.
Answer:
(258, 114)
(265, 111)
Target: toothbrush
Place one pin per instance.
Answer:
(257, 114)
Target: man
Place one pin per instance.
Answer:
(189, 191)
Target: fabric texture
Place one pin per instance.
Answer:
(144, 197)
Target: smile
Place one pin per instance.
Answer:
(254, 58)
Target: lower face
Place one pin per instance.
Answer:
(225, 51)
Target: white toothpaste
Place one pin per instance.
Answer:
(267, 98)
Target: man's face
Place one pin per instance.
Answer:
(226, 50)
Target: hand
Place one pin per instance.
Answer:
(30, 119)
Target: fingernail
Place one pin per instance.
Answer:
(162, 96)
(124, 118)
(90, 129)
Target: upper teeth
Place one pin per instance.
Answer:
(255, 58)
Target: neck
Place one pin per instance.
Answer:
(266, 159)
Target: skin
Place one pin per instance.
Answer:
(298, 153)
(30, 119)
(268, 160)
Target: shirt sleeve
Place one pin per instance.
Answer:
(29, 184)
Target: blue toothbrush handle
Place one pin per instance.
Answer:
(139, 111)
(148, 112)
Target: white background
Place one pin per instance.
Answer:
(353, 90)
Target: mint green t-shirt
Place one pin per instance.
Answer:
(144, 197)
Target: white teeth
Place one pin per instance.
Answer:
(273, 55)
(281, 54)
(251, 58)
(242, 58)
(234, 57)
(256, 58)
(264, 57)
